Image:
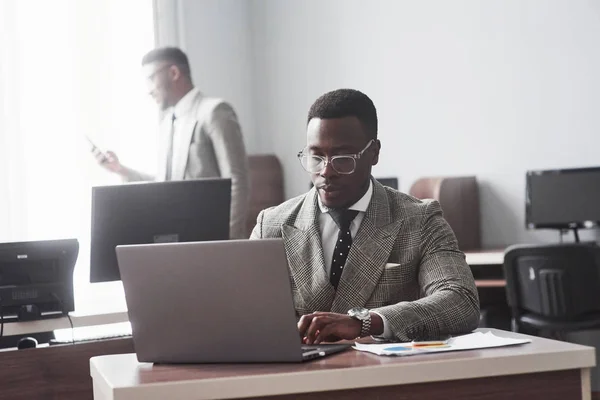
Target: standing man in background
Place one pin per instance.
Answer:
(200, 136)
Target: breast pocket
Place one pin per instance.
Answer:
(397, 283)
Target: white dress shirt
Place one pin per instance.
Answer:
(329, 235)
(183, 107)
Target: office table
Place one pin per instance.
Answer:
(62, 372)
(485, 257)
(544, 369)
(486, 266)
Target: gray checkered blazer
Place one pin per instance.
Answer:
(430, 293)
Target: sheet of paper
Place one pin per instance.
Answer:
(476, 340)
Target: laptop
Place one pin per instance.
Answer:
(213, 302)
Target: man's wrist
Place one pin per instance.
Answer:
(364, 318)
(376, 324)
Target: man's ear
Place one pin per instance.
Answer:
(174, 72)
(377, 146)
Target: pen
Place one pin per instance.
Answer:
(430, 344)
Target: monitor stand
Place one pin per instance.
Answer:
(565, 231)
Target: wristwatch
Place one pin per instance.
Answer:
(364, 316)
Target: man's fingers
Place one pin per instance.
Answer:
(303, 323)
(325, 333)
(317, 324)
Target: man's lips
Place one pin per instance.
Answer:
(329, 188)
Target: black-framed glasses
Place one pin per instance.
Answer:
(344, 164)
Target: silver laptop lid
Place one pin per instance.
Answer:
(201, 302)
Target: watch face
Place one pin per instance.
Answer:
(358, 312)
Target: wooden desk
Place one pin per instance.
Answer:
(486, 266)
(485, 257)
(544, 369)
(54, 372)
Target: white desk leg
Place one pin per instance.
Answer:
(586, 384)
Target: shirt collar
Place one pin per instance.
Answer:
(185, 103)
(361, 205)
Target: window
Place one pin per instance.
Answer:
(69, 69)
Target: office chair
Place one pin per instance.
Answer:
(553, 288)
(266, 185)
(459, 199)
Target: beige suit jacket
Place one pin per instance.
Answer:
(212, 146)
(404, 263)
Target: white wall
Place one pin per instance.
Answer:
(217, 38)
(463, 87)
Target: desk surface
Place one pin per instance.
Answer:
(122, 377)
(485, 257)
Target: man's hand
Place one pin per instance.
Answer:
(110, 161)
(328, 327)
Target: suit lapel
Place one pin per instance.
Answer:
(302, 241)
(368, 255)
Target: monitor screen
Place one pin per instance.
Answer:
(155, 212)
(36, 278)
(391, 182)
(565, 198)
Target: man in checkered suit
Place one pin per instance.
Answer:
(402, 276)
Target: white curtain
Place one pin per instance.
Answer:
(69, 69)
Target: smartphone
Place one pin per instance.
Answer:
(96, 150)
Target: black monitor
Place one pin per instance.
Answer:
(36, 279)
(155, 212)
(391, 182)
(563, 198)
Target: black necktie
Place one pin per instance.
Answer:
(343, 218)
(170, 149)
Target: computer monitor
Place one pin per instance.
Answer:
(391, 182)
(36, 279)
(563, 198)
(155, 212)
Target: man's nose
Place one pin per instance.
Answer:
(328, 170)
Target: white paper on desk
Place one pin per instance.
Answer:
(476, 340)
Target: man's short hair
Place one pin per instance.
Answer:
(346, 103)
(173, 55)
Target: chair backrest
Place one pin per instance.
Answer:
(459, 199)
(266, 185)
(560, 281)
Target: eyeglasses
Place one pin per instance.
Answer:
(150, 77)
(343, 164)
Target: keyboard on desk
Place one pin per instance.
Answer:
(88, 339)
(92, 333)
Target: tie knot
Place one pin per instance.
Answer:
(343, 217)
